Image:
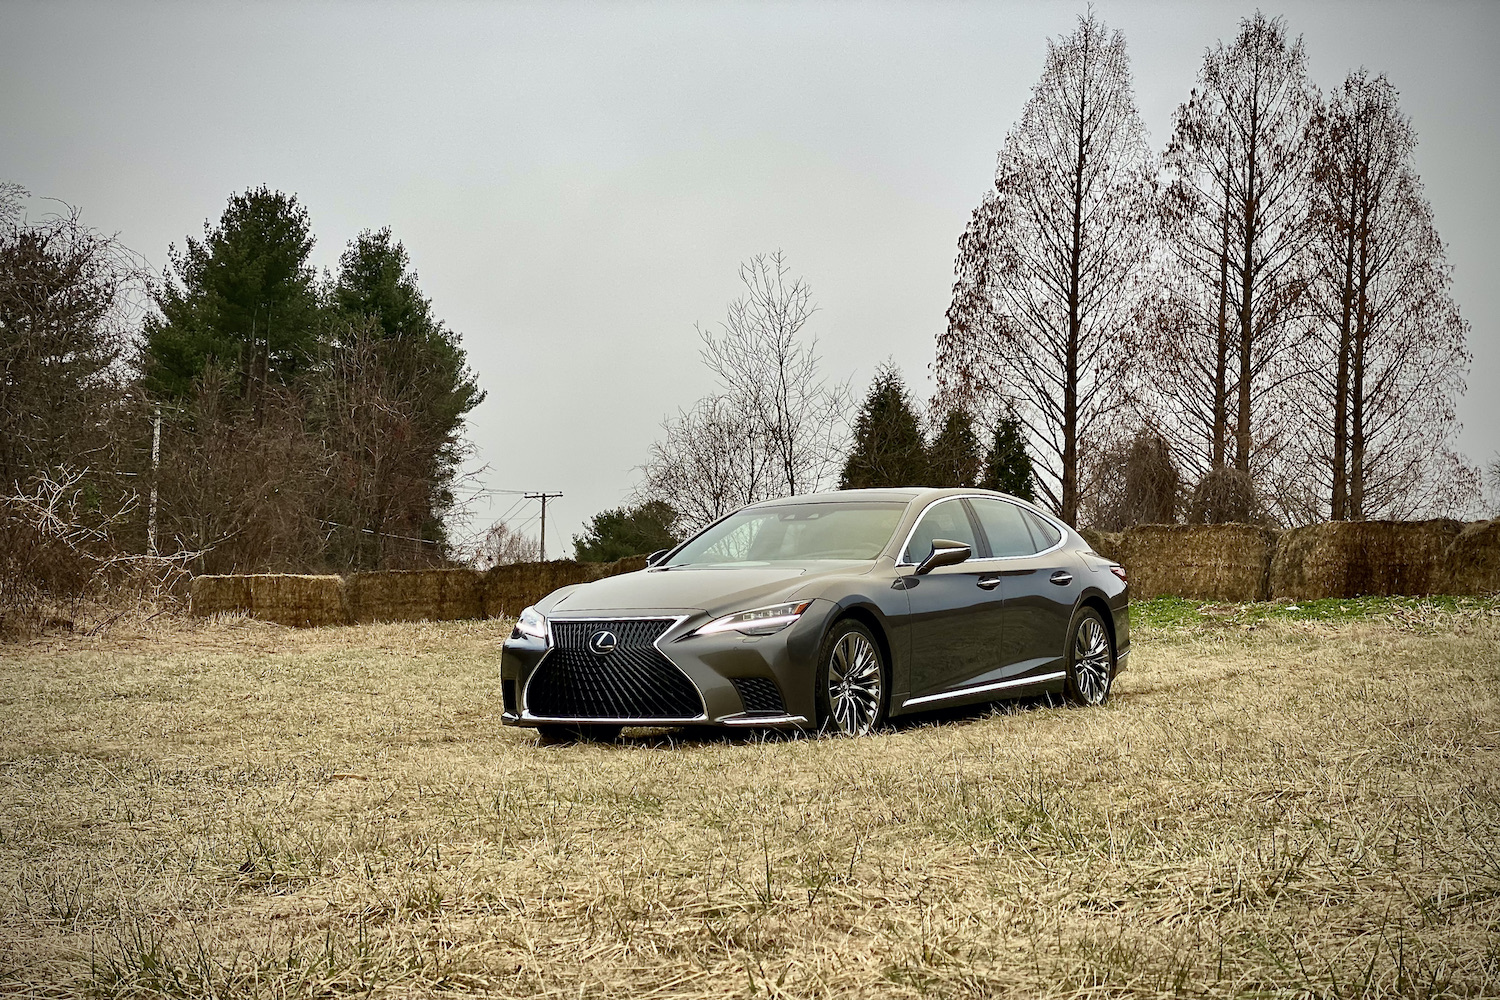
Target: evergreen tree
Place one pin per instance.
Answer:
(395, 393)
(243, 298)
(626, 531)
(955, 457)
(375, 282)
(1007, 468)
(888, 448)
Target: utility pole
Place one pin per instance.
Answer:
(155, 462)
(543, 497)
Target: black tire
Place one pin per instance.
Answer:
(559, 732)
(852, 691)
(1090, 655)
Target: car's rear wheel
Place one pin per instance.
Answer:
(1091, 659)
(578, 733)
(851, 692)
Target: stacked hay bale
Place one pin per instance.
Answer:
(437, 595)
(1355, 558)
(1472, 560)
(508, 589)
(1204, 562)
(1106, 543)
(214, 595)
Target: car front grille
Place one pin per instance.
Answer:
(759, 695)
(632, 682)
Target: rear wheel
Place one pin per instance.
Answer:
(1091, 659)
(851, 682)
(577, 733)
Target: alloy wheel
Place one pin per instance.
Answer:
(854, 685)
(1091, 661)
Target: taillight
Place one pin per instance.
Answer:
(1119, 571)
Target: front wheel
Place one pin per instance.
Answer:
(851, 681)
(1091, 659)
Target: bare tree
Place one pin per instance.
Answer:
(503, 545)
(381, 452)
(1235, 218)
(770, 377)
(775, 428)
(69, 300)
(1042, 307)
(1390, 352)
(706, 464)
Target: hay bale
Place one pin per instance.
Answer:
(1203, 562)
(508, 589)
(1356, 558)
(629, 564)
(300, 601)
(1471, 565)
(1106, 543)
(437, 595)
(213, 595)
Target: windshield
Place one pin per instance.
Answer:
(794, 533)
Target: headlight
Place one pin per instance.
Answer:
(757, 621)
(531, 625)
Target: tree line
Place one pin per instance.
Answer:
(1255, 325)
(1266, 305)
(242, 408)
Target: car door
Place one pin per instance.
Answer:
(952, 620)
(1037, 587)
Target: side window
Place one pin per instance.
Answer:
(944, 519)
(1046, 534)
(1005, 527)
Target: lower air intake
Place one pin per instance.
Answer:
(610, 671)
(759, 695)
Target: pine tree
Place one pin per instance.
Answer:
(1007, 468)
(243, 298)
(955, 458)
(888, 447)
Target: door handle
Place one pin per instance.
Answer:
(1062, 578)
(988, 582)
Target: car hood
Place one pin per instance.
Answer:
(690, 588)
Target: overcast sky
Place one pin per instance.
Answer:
(577, 184)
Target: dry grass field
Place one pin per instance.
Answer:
(1276, 802)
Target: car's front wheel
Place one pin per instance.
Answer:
(851, 693)
(1091, 659)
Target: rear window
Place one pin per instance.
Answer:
(1005, 527)
(1046, 533)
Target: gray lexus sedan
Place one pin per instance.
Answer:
(833, 611)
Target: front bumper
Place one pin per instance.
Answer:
(713, 663)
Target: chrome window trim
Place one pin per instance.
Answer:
(1061, 528)
(985, 688)
(676, 620)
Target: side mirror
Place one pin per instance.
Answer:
(944, 553)
(657, 556)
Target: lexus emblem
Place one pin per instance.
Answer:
(602, 642)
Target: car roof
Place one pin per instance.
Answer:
(900, 494)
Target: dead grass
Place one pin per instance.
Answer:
(226, 807)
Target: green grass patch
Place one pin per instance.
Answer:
(1166, 613)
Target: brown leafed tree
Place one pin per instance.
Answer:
(1234, 215)
(1041, 308)
(1390, 352)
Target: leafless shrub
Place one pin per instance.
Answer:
(58, 549)
(1222, 496)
